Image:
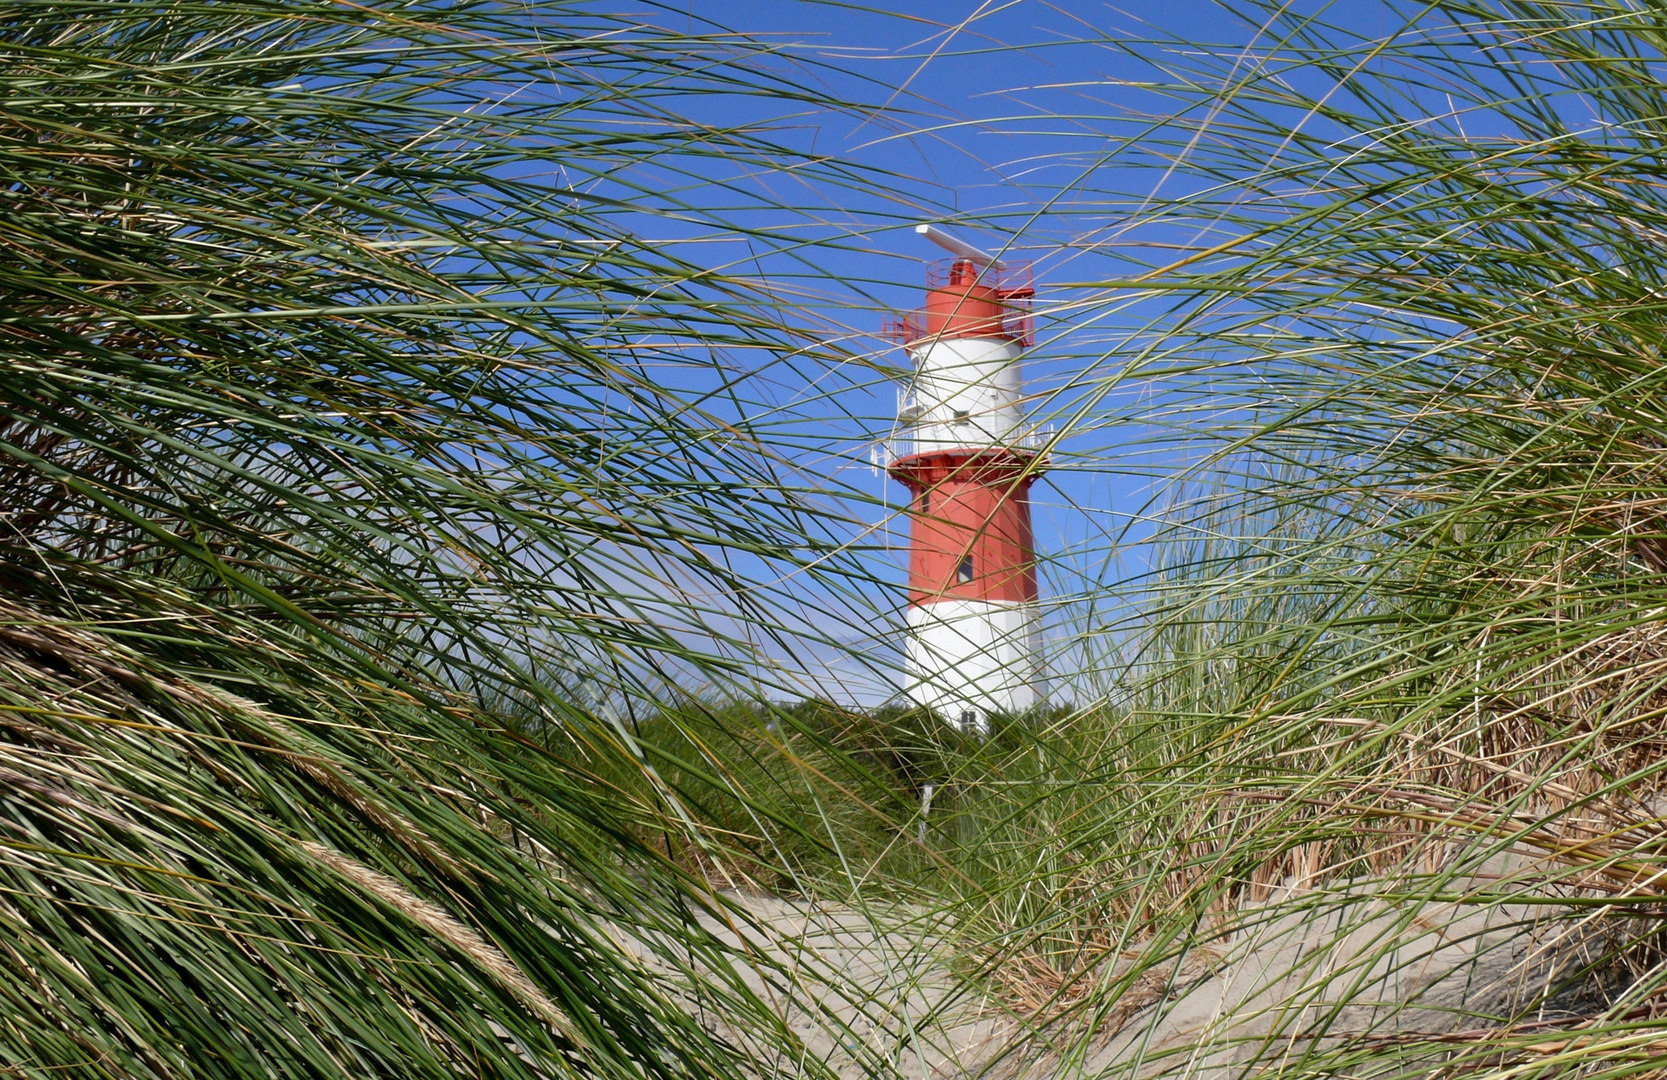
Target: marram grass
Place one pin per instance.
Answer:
(1394, 682)
(346, 504)
(327, 422)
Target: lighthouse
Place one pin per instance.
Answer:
(963, 449)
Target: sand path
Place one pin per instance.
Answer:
(877, 992)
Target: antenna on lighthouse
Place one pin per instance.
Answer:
(958, 247)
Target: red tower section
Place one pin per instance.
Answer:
(970, 536)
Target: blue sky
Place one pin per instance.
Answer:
(1014, 113)
(1022, 121)
(1040, 123)
(1006, 117)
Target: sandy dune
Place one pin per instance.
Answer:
(874, 991)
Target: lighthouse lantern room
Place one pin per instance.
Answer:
(963, 449)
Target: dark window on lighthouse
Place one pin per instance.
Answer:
(963, 574)
(926, 502)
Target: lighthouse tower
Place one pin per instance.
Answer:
(968, 458)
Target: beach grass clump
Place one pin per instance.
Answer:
(333, 415)
(1397, 655)
(365, 708)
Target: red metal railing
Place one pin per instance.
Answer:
(905, 330)
(1014, 279)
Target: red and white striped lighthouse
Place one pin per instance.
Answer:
(963, 448)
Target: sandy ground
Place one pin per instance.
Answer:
(876, 992)
(866, 989)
